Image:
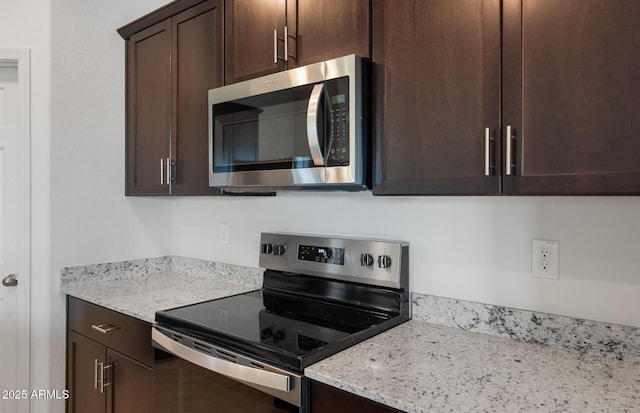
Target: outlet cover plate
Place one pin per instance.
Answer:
(545, 258)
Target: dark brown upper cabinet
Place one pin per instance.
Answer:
(267, 36)
(174, 56)
(551, 107)
(572, 96)
(436, 71)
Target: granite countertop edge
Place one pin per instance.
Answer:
(420, 367)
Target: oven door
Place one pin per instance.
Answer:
(192, 377)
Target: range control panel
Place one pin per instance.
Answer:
(377, 262)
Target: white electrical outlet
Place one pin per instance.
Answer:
(545, 258)
(224, 232)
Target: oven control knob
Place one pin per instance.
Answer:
(384, 261)
(366, 260)
(278, 249)
(267, 248)
(266, 333)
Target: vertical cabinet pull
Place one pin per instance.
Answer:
(169, 179)
(95, 374)
(99, 382)
(103, 367)
(508, 164)
(286, 44)
(487, 152)
(275, 46)
(166, 163)
(285, 39)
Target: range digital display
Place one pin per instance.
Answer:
(326, 255)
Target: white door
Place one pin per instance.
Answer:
(14, 232)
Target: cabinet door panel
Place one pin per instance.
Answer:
(132, 385)
(249, 26)
(436, 88)
(148, 108)
(196, 68)
(327, 399)
(326, 29)
(577, 96)
(81, 374)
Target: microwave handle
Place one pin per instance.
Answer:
(312, 125)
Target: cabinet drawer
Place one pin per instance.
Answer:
(123, 333)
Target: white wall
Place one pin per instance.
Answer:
(471, 248)
(91, 219)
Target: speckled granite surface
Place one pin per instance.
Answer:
(234, 274)
(423, 367)
(139, 288)
(125, 270)
(584, 336)
(122, 270)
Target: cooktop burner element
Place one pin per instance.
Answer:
(320, 295)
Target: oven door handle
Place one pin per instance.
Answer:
(212, 363)
(312, 125)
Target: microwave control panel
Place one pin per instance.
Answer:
(338, 93)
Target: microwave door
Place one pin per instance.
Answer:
(315, 132)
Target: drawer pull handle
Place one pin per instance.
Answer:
(104, 328)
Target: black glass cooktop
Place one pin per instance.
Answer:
(286, 329)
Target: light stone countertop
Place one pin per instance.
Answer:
(141, 287)
(423, 367)
(142, 297)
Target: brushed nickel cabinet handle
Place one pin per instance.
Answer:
(169, 174)
(161, 171)
(275, 46)
(508, 152)
(286, 44)
(104, 328)
(103, 367)
(487, 147)
(95, 374)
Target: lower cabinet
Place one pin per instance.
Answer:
(327, 399)
(109, 359)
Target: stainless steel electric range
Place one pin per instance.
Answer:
(248, 352)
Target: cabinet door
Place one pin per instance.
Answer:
(196, 67)
(132, 384)
(436, 76)
(148, 108)
(326, 29)
(327, 399)
(572, 96)
(249, 42)
(82, 354)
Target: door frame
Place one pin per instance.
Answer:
(21, 59)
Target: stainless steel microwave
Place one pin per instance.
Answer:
(304, 128)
